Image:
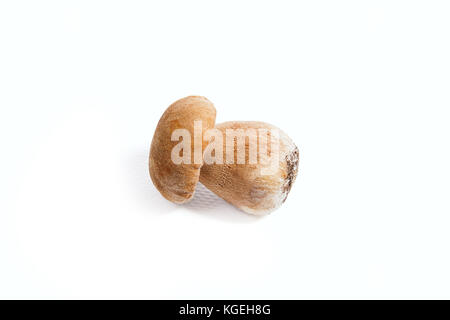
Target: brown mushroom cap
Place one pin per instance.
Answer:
(177, 182)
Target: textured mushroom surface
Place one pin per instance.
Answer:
(244, 185)
(177, 182)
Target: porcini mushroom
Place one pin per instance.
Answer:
(174, 180)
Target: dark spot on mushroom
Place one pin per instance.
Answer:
(292, 168)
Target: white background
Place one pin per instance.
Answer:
(362, 87)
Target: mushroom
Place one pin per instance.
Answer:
(176, 180)
(256, 187)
